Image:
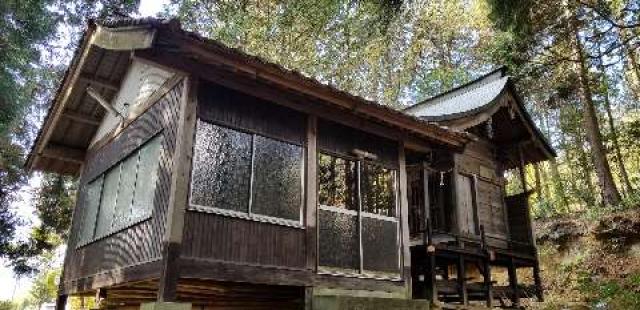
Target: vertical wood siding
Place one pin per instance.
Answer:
(234, 109)
(141, 242)
(478, 159)
(340, 139)
(239, 241)
(220, 238)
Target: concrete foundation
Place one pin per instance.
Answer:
(367, 303)
(166, 306)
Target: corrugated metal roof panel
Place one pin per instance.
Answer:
(460, 103)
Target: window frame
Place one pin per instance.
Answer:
(299, 224)
(359, 214)
(118, 165)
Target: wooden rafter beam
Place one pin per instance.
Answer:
(82, 118)
(99, 82)
(65, 153)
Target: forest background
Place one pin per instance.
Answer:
(576, 63)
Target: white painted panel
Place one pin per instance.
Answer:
(141, 80)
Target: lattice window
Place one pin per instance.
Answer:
(246, 175)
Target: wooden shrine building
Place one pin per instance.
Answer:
(461, 217)
(209, 178)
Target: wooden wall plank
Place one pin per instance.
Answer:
(238, 110)
(179, 191)
(221, 238)
(311, 192)
(140, 243)
(405, 239)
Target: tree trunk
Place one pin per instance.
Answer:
(588, 196)
(538, 182)
(556, 179)
(628, 188)
(635, 68)
(610, 194)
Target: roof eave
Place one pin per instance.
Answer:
(95, 36)
(296, 81)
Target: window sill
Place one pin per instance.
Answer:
(380, 276)
(116, 231)
(246, 216)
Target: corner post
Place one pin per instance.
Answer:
(311, 201)
(428, 239)
(537, 280)
(61, 302)
(462, 283)
(487, 269)
(513, 283)
(178, 196)
(404, 217)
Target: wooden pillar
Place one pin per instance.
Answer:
(487, 282)
(178, 196)
(487, 269)
(311, 192)
(454, 198)
(61, 302)
(538, 281)
(404, 219)
(462, 283)
(513, 283)
(430, 278)
(426, 206)
(521, 169)
(308, 298)
(531, 234)
(433, 284)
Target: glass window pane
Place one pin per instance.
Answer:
(122, 212)
(338, 240)
(380, 245)
(337, 182)
(378, 190)
(108, 202)
(221, 168)
(91, 203)
(146, 179)
(277, 186)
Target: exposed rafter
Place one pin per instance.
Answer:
(99, 82)
(65, 153)
(82, 118)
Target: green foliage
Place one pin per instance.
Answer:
(615, 294)
(32, 55)
(24, 24)
(387, 51)
(44, 288)
(7, 305)
(11, 178)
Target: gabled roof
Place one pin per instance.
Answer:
(464, 100)
(104, 55)
(478, 101)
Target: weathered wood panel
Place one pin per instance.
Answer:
(142, 242)
(340, 139)
(208, 294)
(231, 108)
(479, 160)
(221, 238)
(466, 208)
(491, 208)
(519, 227)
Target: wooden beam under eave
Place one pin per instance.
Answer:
(271, 73)
(64, 153)
(100, 82)
(82, 118)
